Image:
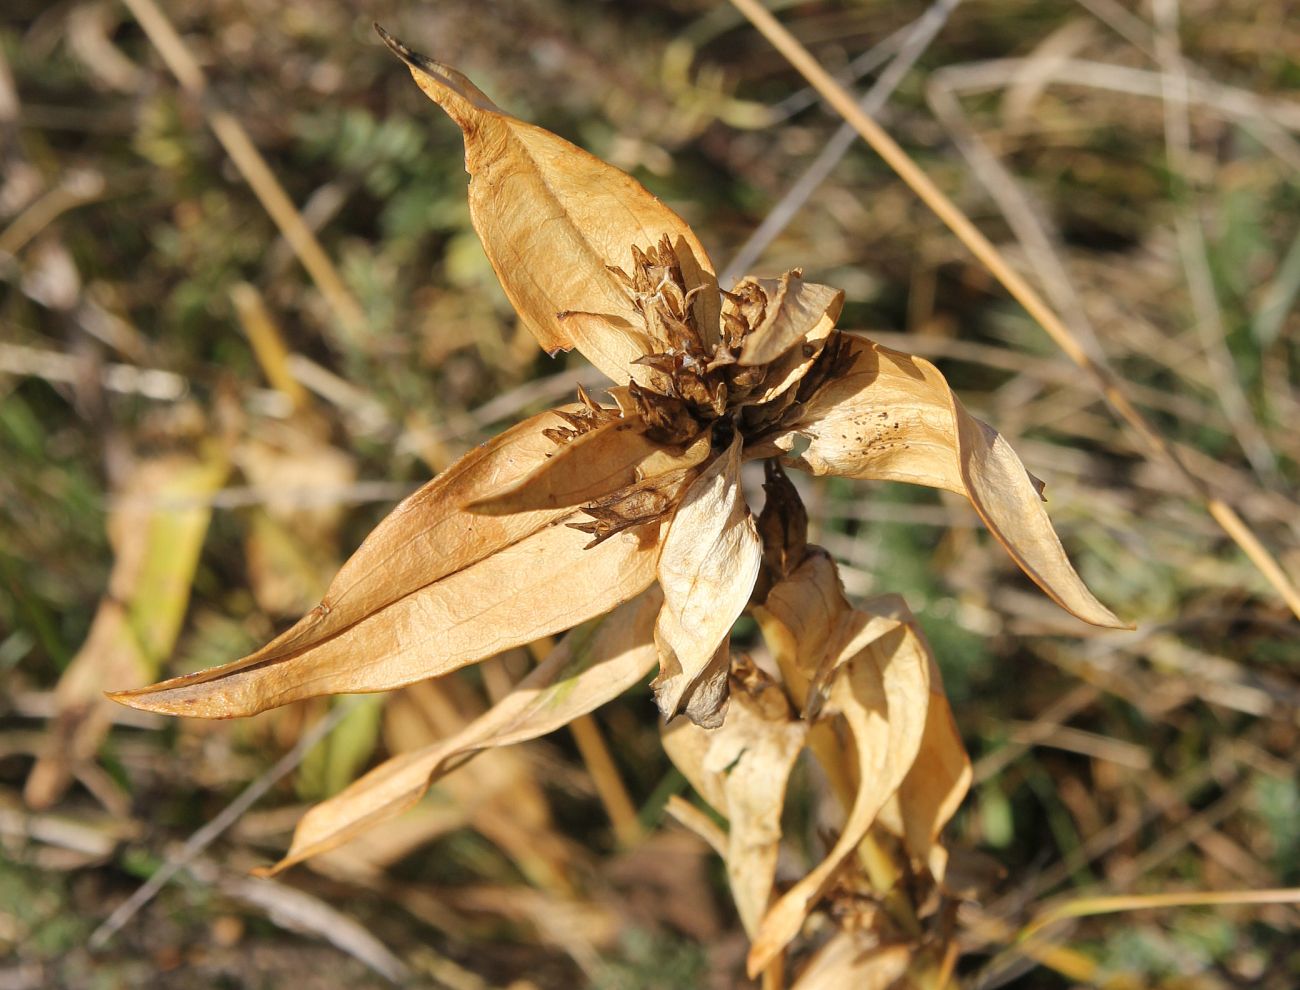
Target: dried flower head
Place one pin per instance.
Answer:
(633, 511)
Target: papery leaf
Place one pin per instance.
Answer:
(610, 457)
(536, 587)
(552, 218)
(789, 369)
(892, 417)
(501, 798)
(802, 614)
(742, 768)
(882, 693)
(796, 311)
(709, 563)
(598, 462)
(591, 665)
(851, 959)
(941, 774)
(425, 539)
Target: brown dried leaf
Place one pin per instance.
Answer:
(742, 769)
(882, 693)
(893, 417)
(941, 775)
(552, 218)
(591, 665)
(498, 795)
(602, 461)
(425, 539)
(801, 614)
(710, 560)
(796, 311)
(429, 536)
(783, 523)
(539, 586)
(852, 960)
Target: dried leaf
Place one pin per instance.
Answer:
(598, 463)
(425, 539)
(498, 796)
(742, 769)
(429, 536)
(797, 311)
(710, 560)
(882, 693)
(941, 774)
(552, 218)
(783, 523)
(893, 417)
(801, 614)
(539, 586)
(851, 960)
(591, 665)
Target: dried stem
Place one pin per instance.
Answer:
(268, 343)
(988, 255)
(605, 776)
(1086, 906)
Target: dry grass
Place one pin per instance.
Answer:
(348, 339)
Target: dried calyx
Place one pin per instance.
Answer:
(703, 382)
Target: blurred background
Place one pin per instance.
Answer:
(200, 417)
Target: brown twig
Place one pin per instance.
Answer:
(605, 776)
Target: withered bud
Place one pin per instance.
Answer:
(783, 523)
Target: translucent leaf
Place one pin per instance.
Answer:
(429, 536)
(612, 456)
(892, 417)
(796, 310)
(552, 218)
(591, 665)
(801, 614)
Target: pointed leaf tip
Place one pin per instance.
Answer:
(398, 49)
(554, 220)
(891, 416)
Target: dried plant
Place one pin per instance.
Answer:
(626, 524)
